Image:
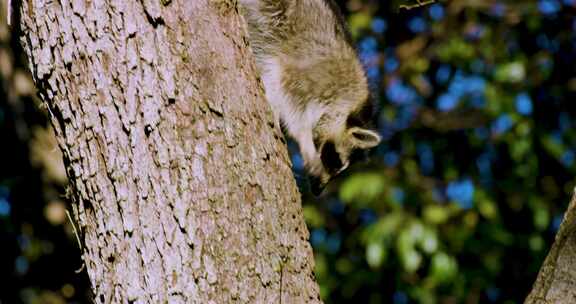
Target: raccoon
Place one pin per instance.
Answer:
(313, 81)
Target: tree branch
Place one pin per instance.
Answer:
(420, 3)
(556, 282)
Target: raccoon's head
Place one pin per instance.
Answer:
(329, 108)
(339, 139)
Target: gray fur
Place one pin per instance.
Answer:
(313, 80)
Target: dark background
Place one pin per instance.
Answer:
(458, 205)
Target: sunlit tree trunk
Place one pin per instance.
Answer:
(556, 282)
(181, 182)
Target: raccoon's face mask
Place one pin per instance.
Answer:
(337, 154)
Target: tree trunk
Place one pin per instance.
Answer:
(182, 184)
(556, 282)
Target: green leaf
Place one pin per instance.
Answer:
(321, 266)
(455, 49)
(312, 216)
(362, 187)
(405, 242)
(358, 22)
(375, 254)
(536, 243)
(436, 214)
(344, 266)
(512, 72)
(443, 267)
(411, 260)
(541, 217)
(384, 229)
(429, 240)
(487, 209)
(520, 148)
(555, 148)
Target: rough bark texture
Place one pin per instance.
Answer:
(182, 183)
(556, 282)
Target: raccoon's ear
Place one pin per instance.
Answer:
(363, 138)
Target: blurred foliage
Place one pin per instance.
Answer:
(462, 200)
(458, 205)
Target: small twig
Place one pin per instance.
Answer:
(9, 12)
(281, 280)
(74, 228)
(420, 3)
(81, 268)
(77, 239)
(283, 261)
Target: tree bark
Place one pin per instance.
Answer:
(556, 282)
(181, 181)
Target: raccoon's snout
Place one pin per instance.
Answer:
(335, 159)
(331, 158)
(332, 166)
(316, 185)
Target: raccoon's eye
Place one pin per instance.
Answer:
(330, 158)
(362, 116)
(354, 120)
(358, 155)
